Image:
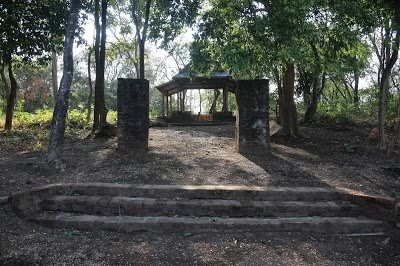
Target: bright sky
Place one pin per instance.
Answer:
(155, 53)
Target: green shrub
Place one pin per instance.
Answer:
(31, 130)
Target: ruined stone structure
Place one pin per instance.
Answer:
(252, 122)
(133, 114)
(252, 119)
(183, 81)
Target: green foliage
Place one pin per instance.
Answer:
(392, 107)
(169, 18)
(335, 109)
(71, 232)
(188, 234)
(348, 148)
(31, 130)
(250, 37)
(336, 112)
(28, 30)
(7, 209)
(112, 117)
(69, 192)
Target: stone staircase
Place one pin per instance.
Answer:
(129, 208)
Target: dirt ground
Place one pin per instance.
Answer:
(335, 156)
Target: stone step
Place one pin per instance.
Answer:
(206, 192)
(335, 225)
(108, 206)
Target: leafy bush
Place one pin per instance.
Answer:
(112, 117)
(336, 112)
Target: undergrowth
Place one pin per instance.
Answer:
(31, 131)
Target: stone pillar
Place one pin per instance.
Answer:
(163, 104)
(225, 100)
(252, 119)
(133, 114)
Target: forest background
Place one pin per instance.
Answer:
(343, 57)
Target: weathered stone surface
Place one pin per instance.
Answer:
(196, 207)
(4, 200)
(175, 208)
(27, 203)
(252, 119)
(133, 114)
(206, 224)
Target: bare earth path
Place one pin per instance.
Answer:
(330, 156)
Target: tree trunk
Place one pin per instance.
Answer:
(6, 86)
(384, 82)
(356, 85)
(60, 110)
(396, 126)
(316, 94)
(381, 111)
(287, 110)
(279, 85)
(213, 108)
(317, 86)
(54, 79)
(383, 88)
(200, 100)
(11, 98)
(97, 107)
(100, 113)
(90, 85)
(143, 35)
(103, 111)
(141, 60)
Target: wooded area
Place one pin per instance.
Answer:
(324, 190)
(331, 62)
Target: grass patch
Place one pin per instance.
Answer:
(71, 232)
(7, 209)
(32, 131)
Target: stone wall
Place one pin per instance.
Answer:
(133, 114)
(252, 119)
(27, 203)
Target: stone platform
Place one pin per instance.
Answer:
(129, 208)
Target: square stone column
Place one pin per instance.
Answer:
(252, 119)
(133, 114)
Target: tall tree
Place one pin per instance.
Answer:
(100, 113)
(288, 112)
(90, 85)
(141, 20)
(254, 37)
(387, 55)
(160, 19)
(60, 110)
(6, 85)
(28, 31)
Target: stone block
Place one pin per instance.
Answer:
(27, 203)
(105, 211)
(252, 120)
(103, 202)
(79, 208)
(133, 114)
(115, 202)
(66, 208)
